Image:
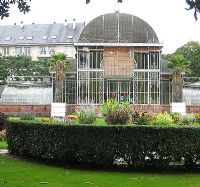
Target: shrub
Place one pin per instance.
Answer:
(116, 112)
(27, 116)
(91, 145)
(197, 116)
(3, 119)
(115, 117)
(86, 115)
(188, 120)
(48, 120)
(163, 119)
(176, 117)
(141, 118)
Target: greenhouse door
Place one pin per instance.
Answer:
(120, 90)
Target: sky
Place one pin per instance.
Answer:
(173, 24)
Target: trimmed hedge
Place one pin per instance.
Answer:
(137, 146)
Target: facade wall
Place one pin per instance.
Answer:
(35, 50)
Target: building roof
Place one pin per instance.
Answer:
(118, 28)
(40, 33)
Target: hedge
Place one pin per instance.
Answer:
(136, 146)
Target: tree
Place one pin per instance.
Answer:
(179, 64)
(191, 51)
(194, 4)
(22, 66)
(59, 60)
(22, 5)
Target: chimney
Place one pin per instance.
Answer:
(21, 25)
(73, 24)
(65, 23)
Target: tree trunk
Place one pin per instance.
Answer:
(60, 75)
(177, 86)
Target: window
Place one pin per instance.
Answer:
(141, 60)
(21, 37)
(29, 38)
(69, 37)
(8, 38)
(27, 51)
(43, 50)
(154, 60)
(166, 92)
(90, 87)
(18, 51)
(146, 87)
(90, 60)
(47, 50)
(147, 60)
(23, 51)
(45, 37)
(53, 37)
(6, 51)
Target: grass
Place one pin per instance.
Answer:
(3, 145)
(15, 173)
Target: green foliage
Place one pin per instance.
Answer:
(120, 116)
(178, 63)
(197, 117)
(91, 145)
(22, 66)
(3, 119)
(163, 119)
(191, 51)
(116, 112)
(176, 117)
(86, 115)
(27, 116)
(22, 5)
(188, 120)
(141, 118)
(3, 145)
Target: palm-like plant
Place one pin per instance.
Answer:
(59, 60)
(179, 64)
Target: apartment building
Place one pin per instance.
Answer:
(39, 40)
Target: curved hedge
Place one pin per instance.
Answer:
(138, 146)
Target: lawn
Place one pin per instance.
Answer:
(3, 145)
(15, 173)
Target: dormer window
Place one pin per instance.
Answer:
(45, 37)
(8, 38)
(70, 37)
(21, 37)
(29, 37)
(53, 37)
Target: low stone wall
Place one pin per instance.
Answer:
(45, 110)
(15, 110)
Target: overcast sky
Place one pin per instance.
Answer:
(173, 24)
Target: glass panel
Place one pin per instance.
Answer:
(154, 60)
(141, 60)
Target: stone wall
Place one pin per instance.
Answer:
(45, 110)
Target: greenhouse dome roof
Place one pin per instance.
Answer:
(118, 28)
